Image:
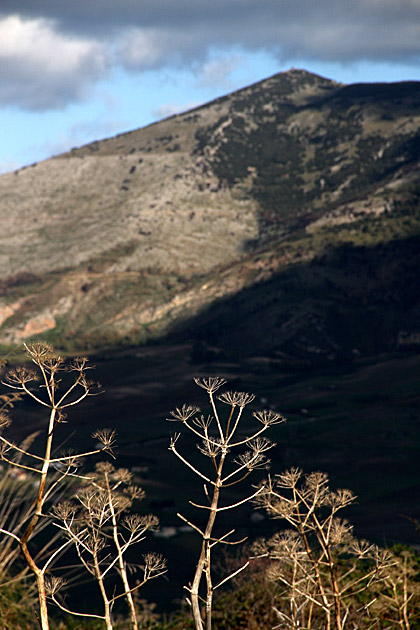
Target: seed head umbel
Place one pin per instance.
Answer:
(104, 468)
(182, 414)
(340, 498)
(340, 532)
(289, 478)
(316, 480)
(64, 510)
(4, 420)
(362, 548)
(155, 562)
(251, 460)
(53, 363)
(20, 376)
(260, 444)
(53, 584)
(267, 417)
(122, 475)
(202, 422)
(210, 384)
(79, 364)
(39, 351)
(210, 448)
(135, 492)
(236, 399)
(139, 523)
(105, 437)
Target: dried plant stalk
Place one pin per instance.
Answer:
(322, 566)
(43, 385)
(218, 436)
(103, 531)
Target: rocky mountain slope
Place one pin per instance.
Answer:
(283, 218)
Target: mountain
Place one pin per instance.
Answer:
(282, 220)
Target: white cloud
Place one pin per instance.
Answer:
(43, 69)
(143, 48)
(217, 73)
(138, 49)
(170, 109)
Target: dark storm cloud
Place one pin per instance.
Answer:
(327, 29)
(146, 34)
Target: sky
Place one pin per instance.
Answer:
(74, 71)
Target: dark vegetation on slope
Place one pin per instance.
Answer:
(349, 302)
(289, 148)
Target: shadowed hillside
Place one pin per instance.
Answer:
(349, 302)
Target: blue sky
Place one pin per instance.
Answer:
(73, 72)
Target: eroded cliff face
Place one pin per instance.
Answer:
(124, 239)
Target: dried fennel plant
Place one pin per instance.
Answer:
(50, 472)
(219, 436)
(102, 532)
(398, 596)
(16, 497)
(18, 492)
(320, 564)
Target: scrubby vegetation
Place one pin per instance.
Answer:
(60, 516)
